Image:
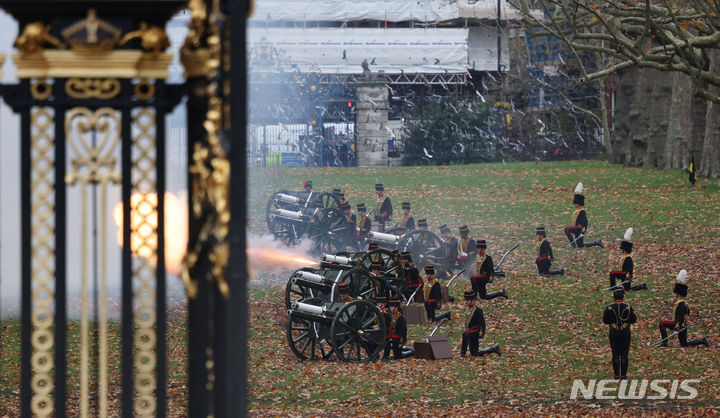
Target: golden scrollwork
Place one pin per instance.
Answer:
(43, 271)
(210, 171)
(152, 38)
(40, 89)
(93, 162)
(34, 37)
(144, 231)
(87, 88)
(144, 89)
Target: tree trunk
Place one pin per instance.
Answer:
(710, 158)
(681, 122)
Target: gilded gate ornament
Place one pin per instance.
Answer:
(93, 163)
(152, 38)
(34, 37)
(87, 88)
(92, 34)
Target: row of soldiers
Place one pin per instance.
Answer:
(619, 315)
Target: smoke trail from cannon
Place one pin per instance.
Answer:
(267, 255)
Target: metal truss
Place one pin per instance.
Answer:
(421, 79)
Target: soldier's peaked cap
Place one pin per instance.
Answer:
(422, 222)
(307, 183)
(470, 295)
(361, 206)
(429, 269)
(343, 287)
(444, 228)
(481, 243)
(464, 229)
(394, 301)
(379, 187)
(372, 246)
(345, 205)
(406, 205)
(540, 230)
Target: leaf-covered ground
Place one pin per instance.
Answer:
(550, 330)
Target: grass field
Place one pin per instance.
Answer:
(550, 330)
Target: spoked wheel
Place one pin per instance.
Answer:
(306, 341)
(357, 333)
(361, 283)
(425, 247)
(298, 291)
(283, 229)
(394, 271)
(330, 231)
(325, 201)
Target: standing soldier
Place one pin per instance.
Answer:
(680, 314)
(451, 249)
(433, 295)
(344, 291)
(576, 232)
(383, 207)
(544, 255)
(406, 221)
(412, 275)
(625, 264)
(396, 330)
(475, 328)
(350, 220)
(619, 316)
(363, 226)
(484, 272)
(467, 250)
(339, 194)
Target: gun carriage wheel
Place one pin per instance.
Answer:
(307, 338)
(358, 332)
(425, 247)
(394, 272)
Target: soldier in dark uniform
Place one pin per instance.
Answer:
(363, 225)
(383, 207)
(406, 221)
(344, 291)
(681, 313)
(451, 249)
(625, 272)
(576, 232)
(544, 255)
(467, 250)
(412, 275)
(475, 328)
(376, 269)
(307, 185)
(619, 316)
(484, 272)
(350, 220)
(433, 295)
(396, 331)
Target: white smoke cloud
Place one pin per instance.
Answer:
(270, 260)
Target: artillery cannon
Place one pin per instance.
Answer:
(351, 268)
(424, 246)
(353, 331)
(290, 216)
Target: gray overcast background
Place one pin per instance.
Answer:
(10, 192)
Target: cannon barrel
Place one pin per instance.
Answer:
(307, 308)
(336, 259)
(287, 198)
(385, 238)
(310, 277)
(289, 214)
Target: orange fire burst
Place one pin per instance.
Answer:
(272, 258)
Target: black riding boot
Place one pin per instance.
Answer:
(597, 243)
(442, 316)
(623, 368)
(616, 367)
(557, 271)
(699, 341)
(643, 286)
(497, 294)
(494, 349)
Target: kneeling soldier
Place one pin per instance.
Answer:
(680, 314)
(625, 273)
(619, 316)
(475, 328)
(396, 330)
(433, 295)
(544, 255)
(484, 271)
